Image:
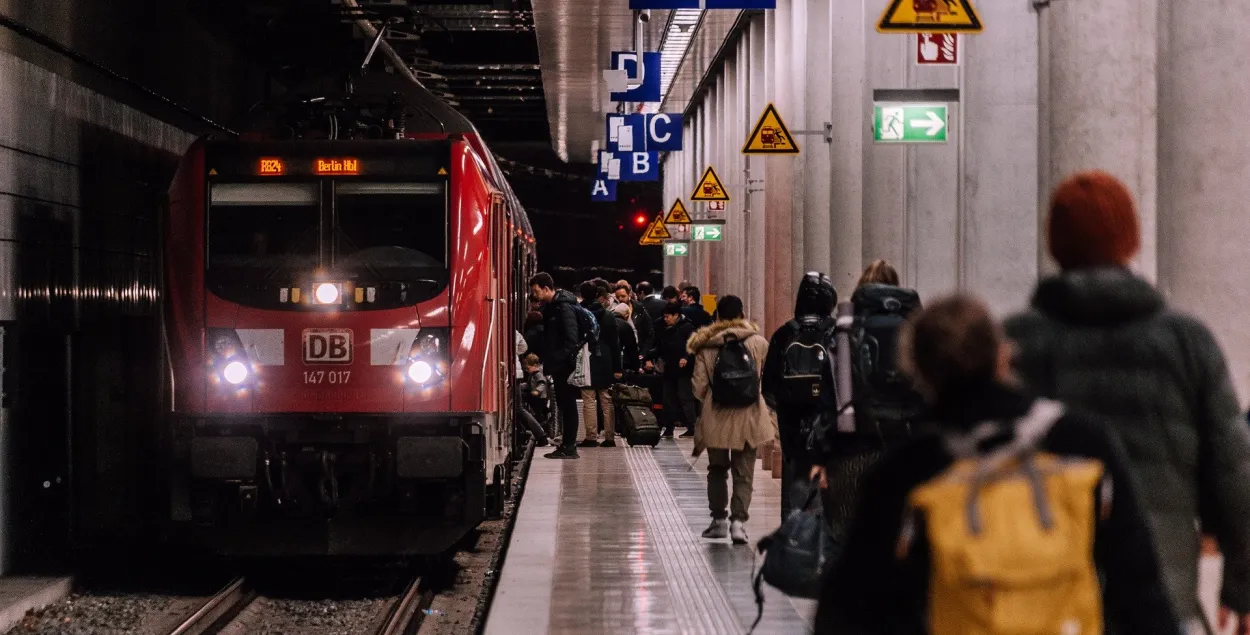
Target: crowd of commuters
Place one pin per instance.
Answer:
(1116, 413)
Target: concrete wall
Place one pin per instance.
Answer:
(1147, 91)
(951, 215)
(85, 161)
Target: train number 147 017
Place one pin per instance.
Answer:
(327, 376)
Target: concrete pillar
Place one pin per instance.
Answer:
(755, 170)
(778, 205)
(1099, 100)
(816, 87)
(998, 235)
(846, 111)
(1205, 175)
(884, 167)
(795, 48)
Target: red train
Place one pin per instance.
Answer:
(343, 285)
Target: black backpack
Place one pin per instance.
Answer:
(886, 401)
(587, 328)
(735, 378)
(805, 370)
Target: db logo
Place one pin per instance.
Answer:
(327, 346)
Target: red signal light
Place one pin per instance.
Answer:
(640, 219)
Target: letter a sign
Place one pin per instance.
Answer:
(770, 136)
(930, 16)
(677, 215)
(709, 188)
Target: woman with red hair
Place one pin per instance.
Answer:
(1103, 340)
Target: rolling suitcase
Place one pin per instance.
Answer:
(639, 425)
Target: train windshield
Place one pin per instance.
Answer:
(258, 231)
(393, 231)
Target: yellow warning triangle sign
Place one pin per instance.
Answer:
(212, 172)
(770, 136)
(710, 188)
(658, 232)
(677, 215)
(930, 16)
(442, 171)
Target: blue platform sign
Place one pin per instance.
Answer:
(629, 166)
(659, 132)
(603, 191)
(702, 4)
(643, 79)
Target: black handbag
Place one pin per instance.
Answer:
(798, 555)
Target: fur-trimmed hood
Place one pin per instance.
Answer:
(713, 335)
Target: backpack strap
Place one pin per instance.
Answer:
(1030, 430)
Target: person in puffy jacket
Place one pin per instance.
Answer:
(813, 311)
(1099, 338)
(881, 584)
(731, 434)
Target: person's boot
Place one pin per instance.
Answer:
(718, 529)
(562, 453)
(688, 433)
(588, 443)
(738, 531)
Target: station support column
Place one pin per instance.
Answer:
(1099, 99)
(848, 107)
(815, 87)
(1204, 164)
(778, 202)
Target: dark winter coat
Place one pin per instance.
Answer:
(630, 357)
(671, 348)
(654, 305)
(607, 363)
(562, 338)
(813, 306)
(535, 340)
(697, 315)
(871, 591)
(644, 324)
(1102, 340)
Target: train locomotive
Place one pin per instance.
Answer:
(343, 286)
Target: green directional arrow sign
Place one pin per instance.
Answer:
(676, 249)
(707, 232)
(909, 123)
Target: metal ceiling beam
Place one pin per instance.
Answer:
(489, 67)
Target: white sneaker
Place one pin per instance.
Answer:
(718, 529)
(738, 530)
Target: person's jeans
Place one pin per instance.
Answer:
(794, 469)
(590, 397)
(679, 402)
(566, 401)
(719, 464)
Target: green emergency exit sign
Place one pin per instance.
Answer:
(707, 232)
(909, 123)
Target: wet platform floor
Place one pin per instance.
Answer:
(610, 543)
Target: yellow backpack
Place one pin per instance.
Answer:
(1011, 536)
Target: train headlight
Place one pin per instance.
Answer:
(235, 372)
(327, 293)
(429, 357)
(228, 358)
(420, 371)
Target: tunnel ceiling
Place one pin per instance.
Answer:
(482, 56)
(576, 40)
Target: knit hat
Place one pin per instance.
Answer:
(1093, 222)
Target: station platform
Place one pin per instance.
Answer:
(610, 543)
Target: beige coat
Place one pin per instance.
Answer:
(729, 428)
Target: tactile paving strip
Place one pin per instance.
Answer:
(706, 608)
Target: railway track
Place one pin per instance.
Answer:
(222, 613)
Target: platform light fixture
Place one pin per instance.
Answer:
(682, 23)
